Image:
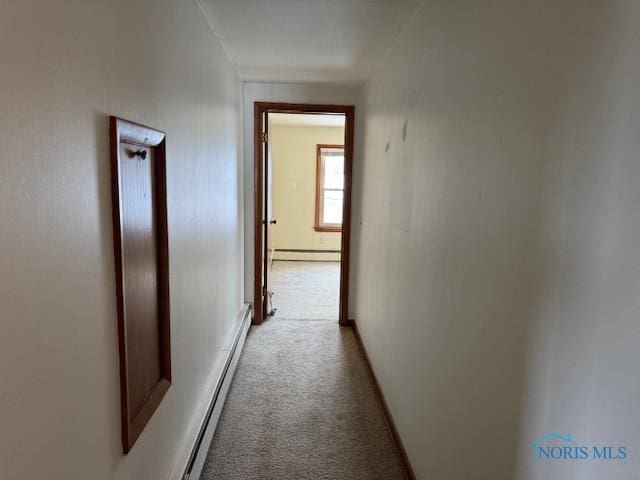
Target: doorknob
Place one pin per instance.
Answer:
(273, 222)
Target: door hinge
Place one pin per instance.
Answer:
(264, 137)
(264, 291)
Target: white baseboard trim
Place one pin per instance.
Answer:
(210, 421)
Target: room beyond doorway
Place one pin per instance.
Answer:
(303, 189)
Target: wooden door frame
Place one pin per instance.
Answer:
(260, 108)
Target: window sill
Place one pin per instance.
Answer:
(322, 228)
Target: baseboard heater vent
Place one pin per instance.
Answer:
(205, 435)
(304, 255)
(302, 250)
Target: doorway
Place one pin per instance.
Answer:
(320, 251)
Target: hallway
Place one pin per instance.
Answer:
(302, 406)
(439, 199)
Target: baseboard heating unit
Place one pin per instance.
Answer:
(205, 435)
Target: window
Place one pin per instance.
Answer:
(329, 188)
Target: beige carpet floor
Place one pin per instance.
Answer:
(306, 290)
(302, 407)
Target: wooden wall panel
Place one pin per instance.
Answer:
(142, 271)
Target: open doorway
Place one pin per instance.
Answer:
(306, 190)
(303, 165)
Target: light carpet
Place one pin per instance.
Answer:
(302, 406)
(306, 290)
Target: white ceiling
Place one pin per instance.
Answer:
(337, 41)
(315, 120)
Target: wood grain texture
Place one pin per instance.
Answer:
(260, 108)
(258, 202)
(138, 168)
(346, 216)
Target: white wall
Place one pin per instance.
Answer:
(291, 93)
(64, 68)
(294, 157)
(500, 202)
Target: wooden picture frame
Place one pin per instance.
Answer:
(139, 196)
